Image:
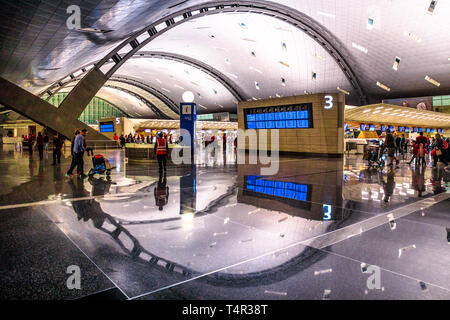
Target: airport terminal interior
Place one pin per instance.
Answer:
(229, 150)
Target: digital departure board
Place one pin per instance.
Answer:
(107, 127)
(297, 116)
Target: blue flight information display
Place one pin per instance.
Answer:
(280, 117)
(107, 127)
(281, 189)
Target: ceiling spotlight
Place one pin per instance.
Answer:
(430, 80)
(370, 24)
(257, 86)
(283, 82)
(314, 76)
(188, 97)
(284, 46)
(243, 25)
(227, 61)
(383, 86)
(254, 54)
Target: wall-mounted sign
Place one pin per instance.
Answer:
(326, 212)
(328, 102)
(117, 120)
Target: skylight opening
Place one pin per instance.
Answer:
(396, 63)
(432, 7)
(325, 14)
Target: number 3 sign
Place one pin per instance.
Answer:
(328, 102)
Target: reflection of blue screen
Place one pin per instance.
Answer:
(251, 125)
(251, 117)
(288, 190)
(281, 124)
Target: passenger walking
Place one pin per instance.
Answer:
(78, 150)
(46, 141)
(439, 151)
(389, 143)
(57, 146)
(161, 151)
(422, 148)
(122, 141)
(40, 145)
(74, 160)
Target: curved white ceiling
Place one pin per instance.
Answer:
(37, 49)
(174, 78)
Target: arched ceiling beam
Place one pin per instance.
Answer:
(232, 87)
(95, 78)
(151, 90)
(155, 110)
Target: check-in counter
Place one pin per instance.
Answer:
(12, 140)
(145, 152)
(360, 143)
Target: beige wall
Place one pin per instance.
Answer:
(327, 136)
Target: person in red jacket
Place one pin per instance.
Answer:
(161, 151)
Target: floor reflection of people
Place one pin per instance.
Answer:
(437, 175)
(389, 185)
(89, 209)
(161, 192)
(418, 180)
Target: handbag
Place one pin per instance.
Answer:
(438, 152)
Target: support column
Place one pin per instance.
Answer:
(34, 108)
(80, 96)
(188, 119)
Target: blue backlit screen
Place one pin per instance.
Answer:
(280, 117)
(107, 127)
(277, 188)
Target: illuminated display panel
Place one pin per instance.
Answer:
(372, 127)
(383, 128)
(428, 130)
(363, 127)
(391, 128)
(107, 127)
(280, 189)
(414, 129)
(297, 116)
(407, 129)
(400, 129)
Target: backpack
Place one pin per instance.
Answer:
(445, 145)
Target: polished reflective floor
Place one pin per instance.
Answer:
(317, 229)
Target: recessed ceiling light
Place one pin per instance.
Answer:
(318, 56)
(412, 36)
(284, 46)
(396, 63)
(243, 25)
(227, 61)
(283, 82)
(253, 53)
(370, 24)
(329, 15)
(430, 80)
(314, 76)
(257, 86)
(359, 47)
(343, 91)
(383, 86)
(212, 36)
